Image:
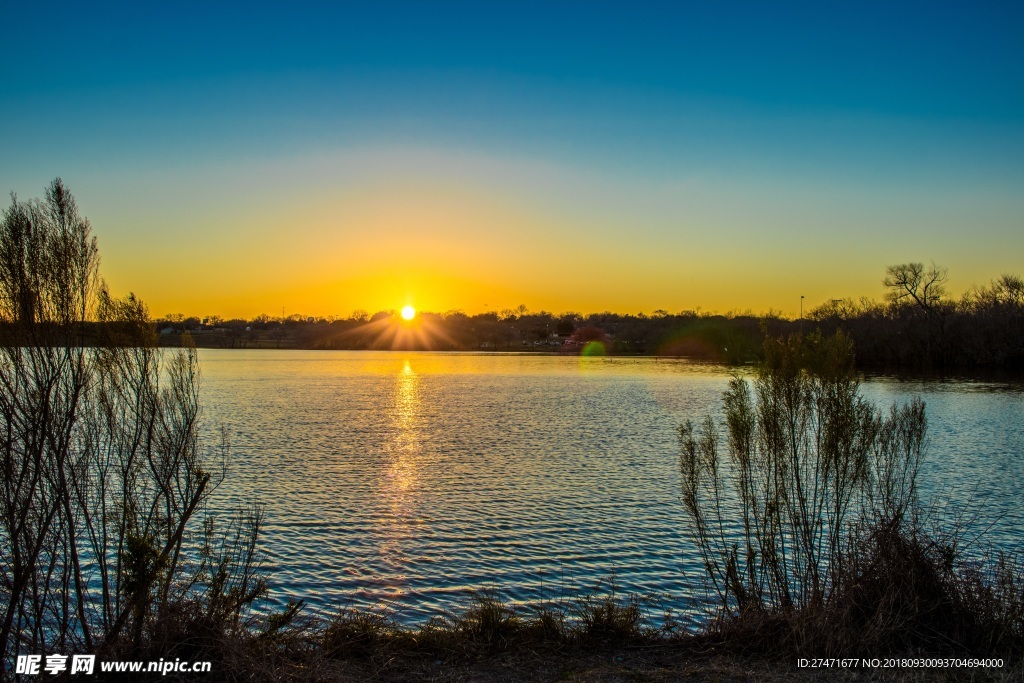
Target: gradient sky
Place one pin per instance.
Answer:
(577, 156)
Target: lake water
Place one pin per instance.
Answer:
(412, 479)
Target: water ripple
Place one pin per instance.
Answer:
(416, 478)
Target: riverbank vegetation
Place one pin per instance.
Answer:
(805, 511)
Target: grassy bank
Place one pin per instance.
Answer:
(921, 605)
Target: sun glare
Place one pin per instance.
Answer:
(408, 312)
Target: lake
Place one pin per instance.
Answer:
(412, 479)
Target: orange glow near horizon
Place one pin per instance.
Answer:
(478, 234)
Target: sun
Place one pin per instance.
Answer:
(408, 313)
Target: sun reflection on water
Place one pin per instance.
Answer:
(405, 445)
(400, 485)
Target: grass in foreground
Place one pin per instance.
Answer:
(911, 602)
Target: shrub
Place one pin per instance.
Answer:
(104, 474)
(810, 528)
(806, 456)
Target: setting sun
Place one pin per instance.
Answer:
(408, 312)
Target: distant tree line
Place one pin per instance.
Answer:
(916, 326)
(724, 338)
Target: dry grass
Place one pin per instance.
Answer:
(607, 638)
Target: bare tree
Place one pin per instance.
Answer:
(1006, 290)
(912, 282)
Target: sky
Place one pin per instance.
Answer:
(317, 158)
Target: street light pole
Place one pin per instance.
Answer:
(801, 314)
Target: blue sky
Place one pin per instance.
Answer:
(832, 138)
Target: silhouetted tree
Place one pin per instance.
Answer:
(911, 281)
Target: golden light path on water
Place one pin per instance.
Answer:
(400, 481)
